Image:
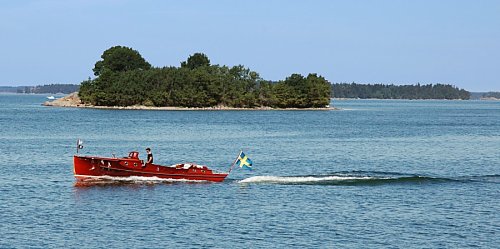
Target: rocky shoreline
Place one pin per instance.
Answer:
(72, 100)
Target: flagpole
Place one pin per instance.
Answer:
(234, 162)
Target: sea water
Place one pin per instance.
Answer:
(377, 173)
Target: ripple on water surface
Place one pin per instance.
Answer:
(377, 174)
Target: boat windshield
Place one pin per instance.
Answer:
(133, 154)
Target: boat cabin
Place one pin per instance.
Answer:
(133, 155)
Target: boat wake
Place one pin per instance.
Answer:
(110, 180)
(364, 178)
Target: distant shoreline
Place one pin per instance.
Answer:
(489, 98)
(375, 99)
(72, 100)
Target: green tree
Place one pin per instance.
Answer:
(196, 60)
(120, 59)
(318, 91)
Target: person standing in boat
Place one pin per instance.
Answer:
(150, 157)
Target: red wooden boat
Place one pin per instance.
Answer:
(88, 168)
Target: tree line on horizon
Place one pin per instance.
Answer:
(49, 88)
(125, 78)
(495, 95)
(382, 91)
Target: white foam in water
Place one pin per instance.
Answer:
(140, 179)
(299, 179)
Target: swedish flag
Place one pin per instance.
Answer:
(244, 162)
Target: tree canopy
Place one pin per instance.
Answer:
(123, 82)
(120, 59)
(196, 60)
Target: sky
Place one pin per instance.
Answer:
(385, 41)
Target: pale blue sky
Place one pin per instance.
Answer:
(385, 41)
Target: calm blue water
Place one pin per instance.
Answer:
(387, 174)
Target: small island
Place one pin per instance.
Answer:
(125, 80)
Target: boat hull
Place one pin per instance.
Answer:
(87, 168)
